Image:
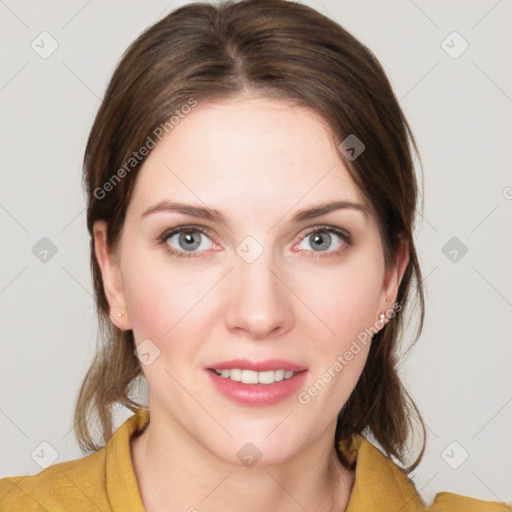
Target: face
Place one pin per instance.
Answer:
(265, 275)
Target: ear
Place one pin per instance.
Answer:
(111, 274)
(393, 278)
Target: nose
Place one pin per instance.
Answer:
(259, 304)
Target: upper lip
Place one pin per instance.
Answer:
(258, 366)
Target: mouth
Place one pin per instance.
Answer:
(257, 382)
(257, 372)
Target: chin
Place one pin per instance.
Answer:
(255, 447)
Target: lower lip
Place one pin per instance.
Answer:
(258, 394)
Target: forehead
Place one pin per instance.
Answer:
(252, 153)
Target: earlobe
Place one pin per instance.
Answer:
(111, 275)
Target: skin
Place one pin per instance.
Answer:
(257, 161)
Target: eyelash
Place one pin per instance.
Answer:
(344, 235)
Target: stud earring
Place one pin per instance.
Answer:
(382, 317)
(119, 315)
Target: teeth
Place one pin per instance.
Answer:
(235, 375)
(252, 377)
(279, 375)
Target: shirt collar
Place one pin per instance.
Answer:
(121, 482)
(379, 483)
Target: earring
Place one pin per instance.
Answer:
(119, 315)
(382, 317)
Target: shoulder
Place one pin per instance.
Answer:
(449, 502)
(382, 485)
(102, 480)
(54, 489)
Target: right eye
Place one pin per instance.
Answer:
(186, 241)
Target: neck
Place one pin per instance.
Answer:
(174, 474)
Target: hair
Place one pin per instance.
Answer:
(273, 49)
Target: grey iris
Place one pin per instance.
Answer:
(188, 239)
(321, 241)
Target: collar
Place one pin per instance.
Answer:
(379, 483)
(121, 482)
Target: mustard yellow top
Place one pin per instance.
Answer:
(104, 481)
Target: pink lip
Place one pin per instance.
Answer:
(258, 394)
(258, 366)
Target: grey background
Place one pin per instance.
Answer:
(459, 109)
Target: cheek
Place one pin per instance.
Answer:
(349, 299)
(147, 304)
(164, 308)
(347, 307)
(346, 304)
(160, 297)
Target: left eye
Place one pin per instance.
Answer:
(321, 240)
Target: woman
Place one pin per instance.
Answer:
(251, 197)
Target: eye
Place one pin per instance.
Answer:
(192, 241)
(326, 239)
(186, 241)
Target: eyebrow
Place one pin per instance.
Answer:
(203, 212)
(322, 209)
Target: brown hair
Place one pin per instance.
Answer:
(277, 49)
